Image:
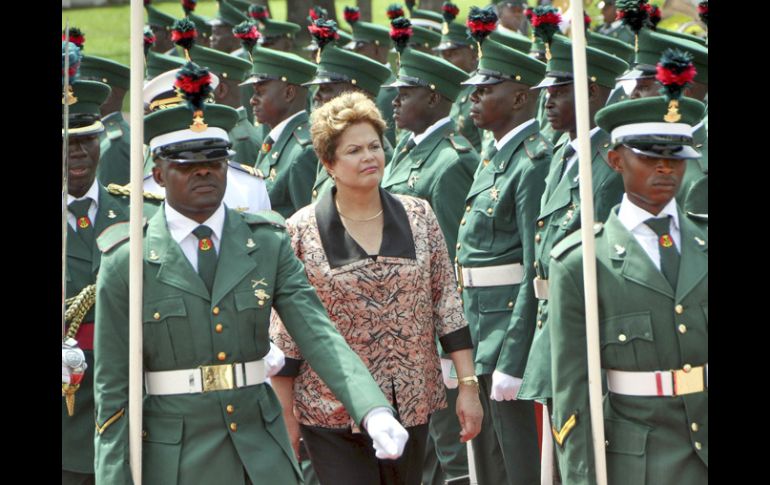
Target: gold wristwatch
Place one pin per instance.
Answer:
(469, 381)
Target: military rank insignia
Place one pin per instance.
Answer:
(266, 147)
(494, 193)
(412, 180)
(205, 244)
(84, 222)
(665, 241)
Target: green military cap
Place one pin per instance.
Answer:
(692, 38)
(602, 68)
(453, 34)
(84, 114)
(610, 45)
(421, 69)
(270, 64)
(156, 18)
(369, 32)
(641, 125)
(426, 18)
(338, 65)
(500, 63)
(227, 66)
(275, 28)
(514, 40)
(228, 14)
(105, 70)
(424, 37)
(160, 63)
(171, 135)
(651, 46)
(343, 41)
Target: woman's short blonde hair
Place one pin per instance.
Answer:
(329, 121)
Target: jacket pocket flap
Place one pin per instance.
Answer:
(623, 329)
(496, 300)
(161, 309)
(625, 437)
(163, 429)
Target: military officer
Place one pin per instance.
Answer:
(212, 276)
(114, 164)
(340, 71)
(652, 284)
(91, 210)
(245, 192)
(160, 23)
(222, 38)
(612, 26)
(495, 251)
(286, 160)
(559, 212)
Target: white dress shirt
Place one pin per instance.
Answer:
(509, 136)
(435, 126)
(276, 132)
(574, 145)
(633, 217)
(181, 229)
(93, 194)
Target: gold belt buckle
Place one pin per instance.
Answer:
(688, 382)
(217, 377)
(460, 282)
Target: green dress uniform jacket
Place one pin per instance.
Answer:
(498, 228)
(289, 168)
(246, 140)
(617, 30)
(247, 90)
(77, 431)
(644, 325)
(693, 193)
(212, 437)
(115, 160)
(461, 112)
(384, 103)
(439, 170)
(560, 216)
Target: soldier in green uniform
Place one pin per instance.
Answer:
(222, 38)
(160, 23)
(495, 251)
(613, 26)
(114, 165)
(617, 48)
(278, 35)
(340, 71)
(652, 285)
(286, 160)
(211, 277)
(424, 39)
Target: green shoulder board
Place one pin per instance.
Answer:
(460, 143)
(537, 147)
(112, 236)
(302, 134)
(571, 241)
(264, 217)
(114, 131)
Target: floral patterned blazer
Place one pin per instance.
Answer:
(390, 307)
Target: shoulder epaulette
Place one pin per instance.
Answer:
(264, 217)
(302, 134)
(242, 168)
(537, 147)
(572, 241)
(112, 236)
(114, 131)
(241, 113)
(461, 144)
(698, 217)
(124, 190)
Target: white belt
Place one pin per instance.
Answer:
(205, 378)
(504, 274)
(541, 288)
(658, 383)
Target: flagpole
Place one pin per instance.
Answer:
(64, 189)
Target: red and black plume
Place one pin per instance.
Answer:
(655, 16)
(317, 12)
(410, 5)
(450, 11)
(149, 39)
(529, 12)
(703, 12)
(675, 71)
(189, 6)
(481, 22)
(193, 83)
(183, 34)
(147, 2)
(77, 37)
(634, 13)
(400, 33)
(587, 20)
(352, 15)
(545, 22)
(248, 34)
(323, 31)
(395, 11)
(258, 12)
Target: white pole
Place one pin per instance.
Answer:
(64, 188)
(471, 464)
(135, 255)
(587, 236)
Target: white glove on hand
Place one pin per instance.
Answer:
(446, 367)
(504, 387)
(388, 436)
(73, 362)
(274, 360)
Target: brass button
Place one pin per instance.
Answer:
(537, 238)
(459, 288)
(687, 367)
(462, 222)
(698, 446)
(489, 211)
(156, 316)
(457, 259)
(467, 208)
(315, 193)
(230, 409)
(679, 309)
(457, 246)
(510, 304)
(606, 145)
(539, 324)
(221, 356)
(261, 302)
(540, 223)
(233, 427)
(219, 328)
(622, 337)
(682, 328)
(215, 311)
(694, 427)
(144, 433)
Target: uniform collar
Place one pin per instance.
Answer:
(632, 216)
(509, 136)
(180, 226)
(93, 194)
(276, 132)
(435, 126)
(591, 134)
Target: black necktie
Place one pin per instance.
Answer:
(83, 224)
(207, 255)
(568, 152)
(669, 256)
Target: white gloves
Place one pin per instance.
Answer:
(388, 436)
(446, 367)
(73, 362)
(274, 360)
(504, 387)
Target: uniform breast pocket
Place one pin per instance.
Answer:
(626, 452)
(167, 333)
(627, 342)
(161, 448)
(253, 321)
(481, 226)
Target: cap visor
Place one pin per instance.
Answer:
(635, 74)
(685, 152)
(552, 81)
(481, 80)
(398, 83)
